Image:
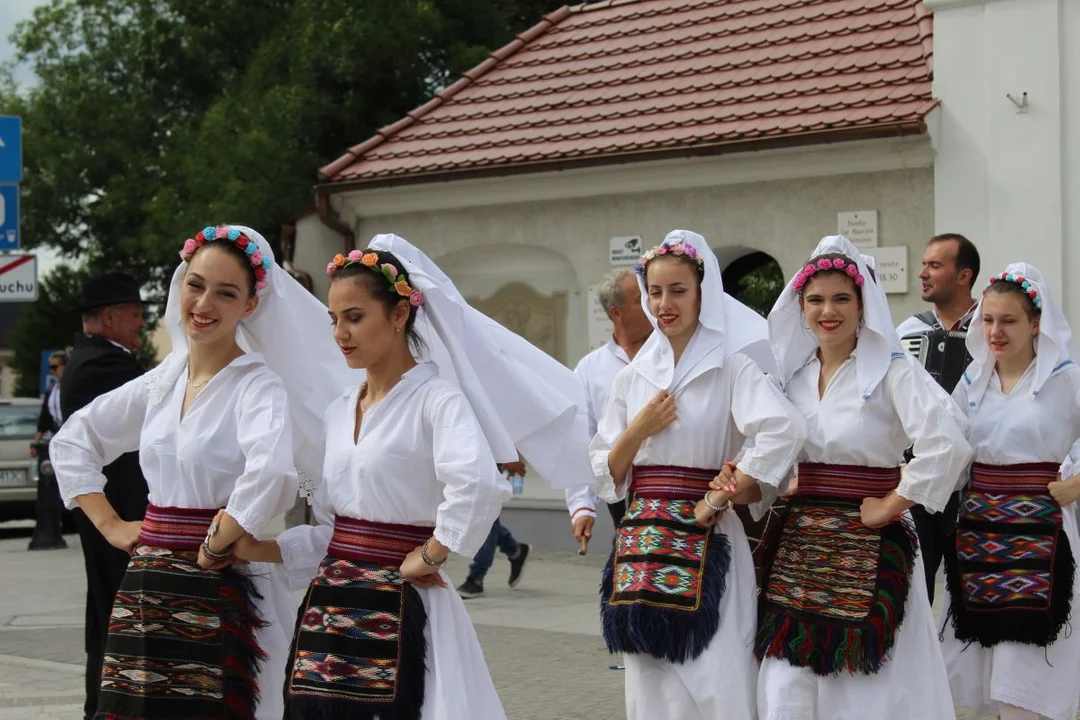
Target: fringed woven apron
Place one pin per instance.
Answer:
(661, 588)
(181, 639)
(359, 650)
(1011, 579)
(835, 590)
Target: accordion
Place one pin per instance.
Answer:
(942, 352)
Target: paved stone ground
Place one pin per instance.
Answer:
(541, 641)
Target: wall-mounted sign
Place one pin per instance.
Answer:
(860, 227)
(892, 268)
(626, 250)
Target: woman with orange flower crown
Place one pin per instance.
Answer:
(845, 627)
(410, 476)
(219, 424)
(1012, 579)
(678, 596)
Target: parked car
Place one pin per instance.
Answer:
(18, 471)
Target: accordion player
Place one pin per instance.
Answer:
(942, 352)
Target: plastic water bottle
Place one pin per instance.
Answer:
(517, 482)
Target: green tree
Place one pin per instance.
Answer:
(153, 118)
(48, 324)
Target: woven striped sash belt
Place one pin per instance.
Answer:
(1011, 578)
(181, 639)
(359, 647)
(833, 590)
(662, 586)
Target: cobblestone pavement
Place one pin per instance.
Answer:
(541, 641)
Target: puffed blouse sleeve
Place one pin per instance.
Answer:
(613, 423)
(303, 547)
(473, 489)
(1070, 467)
(268, 485)
(941, 450)
(774, 428)
(95, 436)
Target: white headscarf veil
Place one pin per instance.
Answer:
(1054, 346)
(290, 328)
(524, 399)
(726, 327)
(877, 346)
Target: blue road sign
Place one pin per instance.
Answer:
(10, 149)
(47, 378)
(9, 217)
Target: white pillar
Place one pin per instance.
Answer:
(1002, 173)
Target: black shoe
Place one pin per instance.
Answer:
(470, 589)
(517, 564)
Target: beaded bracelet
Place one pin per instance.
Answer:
(425, 558)
(716, 508)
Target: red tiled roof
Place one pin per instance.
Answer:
(623, 79)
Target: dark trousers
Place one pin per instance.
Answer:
(485, 556)
(617, 510)
(937, 536)
(105, 567)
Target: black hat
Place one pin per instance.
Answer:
(109, 289)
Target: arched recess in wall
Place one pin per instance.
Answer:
(751, 276)
(526, 288)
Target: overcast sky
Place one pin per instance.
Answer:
(11, 12)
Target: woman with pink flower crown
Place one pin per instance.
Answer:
(845, 628)
(410, 476)
(678, 596)
(222, 427)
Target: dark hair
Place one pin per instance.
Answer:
(1004, 287)
(847, 261)
(967, 255)
(381, 289)
(59, 355)
(230, 248)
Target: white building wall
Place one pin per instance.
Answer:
(1007, 177)
(784, 218)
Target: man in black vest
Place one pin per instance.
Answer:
(103, 360)
(950, 268)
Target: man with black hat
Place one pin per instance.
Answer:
(102, 360)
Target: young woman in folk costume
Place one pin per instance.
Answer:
(846, 630)
(678, 597)
(410, 477)
(215, 428)
(1012, 580)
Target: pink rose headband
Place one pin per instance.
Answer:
(848, 267)
(261, 263)
(680, 248)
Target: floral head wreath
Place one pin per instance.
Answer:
(848, 267)
(370, 260)
(1025, 284)
(681, 249)
(261, 263)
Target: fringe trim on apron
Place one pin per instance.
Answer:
(661, 588)
(835, 590)
(181, 639)
(1011, 575)
(359, 650)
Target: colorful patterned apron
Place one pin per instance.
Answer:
(359, 648)
(661, 589)
(181, 639)
(834, 590)
(1011, 579)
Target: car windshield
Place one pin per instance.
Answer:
(18, 421)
